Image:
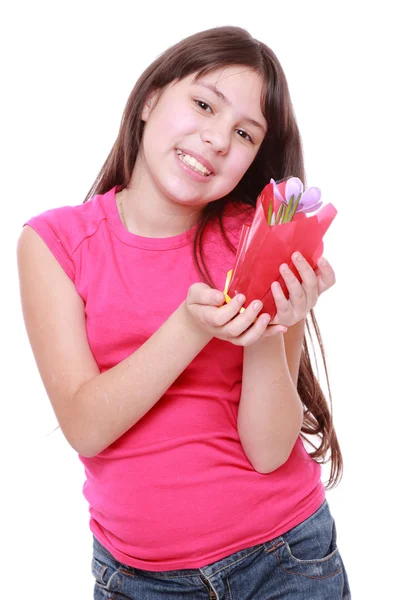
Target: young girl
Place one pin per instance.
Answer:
(187, 414)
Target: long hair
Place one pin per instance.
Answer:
(280, 155)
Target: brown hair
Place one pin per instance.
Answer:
(279, 156)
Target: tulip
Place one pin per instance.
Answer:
(263, 248)
(306, 201)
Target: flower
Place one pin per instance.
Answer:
(263, 247)
(307, 201)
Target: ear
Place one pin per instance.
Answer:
(151, 100)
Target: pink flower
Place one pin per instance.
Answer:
(309, 200)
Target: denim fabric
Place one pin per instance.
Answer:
(302, 564)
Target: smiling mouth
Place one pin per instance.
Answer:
(192, 162)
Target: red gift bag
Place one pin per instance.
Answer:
(263, 248)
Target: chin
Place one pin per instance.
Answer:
(187, 200)
(183, 194)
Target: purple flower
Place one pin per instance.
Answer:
(309, 200)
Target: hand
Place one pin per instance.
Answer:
(302, 296)
(208, 312)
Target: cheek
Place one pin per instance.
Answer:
(238, 164)
(172, 125)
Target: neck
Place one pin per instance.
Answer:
(149, 214)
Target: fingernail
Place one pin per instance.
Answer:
(240, 298)
(322, 261)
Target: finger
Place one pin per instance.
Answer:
(284, 308)
(325, 275)
(201, 293)
(244, 320)
(302, 265)
(219, 298)
(307, 274)
(253, 333)
(274, 330)
(260, 328)
(228, 311)
(296, 290)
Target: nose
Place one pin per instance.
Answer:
(218, 137)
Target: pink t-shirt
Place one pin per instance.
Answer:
(176, 491)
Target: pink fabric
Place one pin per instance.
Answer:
(176, 491)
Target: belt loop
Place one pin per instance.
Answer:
(273, 544)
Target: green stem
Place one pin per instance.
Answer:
(279, 214)
(269, 217)
(295, 207)
(288, 209)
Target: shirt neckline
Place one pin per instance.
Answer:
(138, 241)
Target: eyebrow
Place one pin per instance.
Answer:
(211, 86)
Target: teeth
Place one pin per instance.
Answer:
(190, 160)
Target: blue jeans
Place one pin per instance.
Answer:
(302, 564)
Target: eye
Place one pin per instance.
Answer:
(250, 139)
(201, 104)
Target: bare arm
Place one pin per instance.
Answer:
(270, 411)
(94, 409)
(293, 339)
(105, 407)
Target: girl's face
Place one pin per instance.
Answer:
(201, 137)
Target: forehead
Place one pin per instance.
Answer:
(236, 78)
(233, 76)
(220, 74)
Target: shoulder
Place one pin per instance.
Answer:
(64, 228)
(72, 221)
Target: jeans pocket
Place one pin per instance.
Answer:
(310, 549)
(107, 576)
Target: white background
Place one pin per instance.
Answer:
(68, 69)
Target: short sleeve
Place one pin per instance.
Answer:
(55, 227)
